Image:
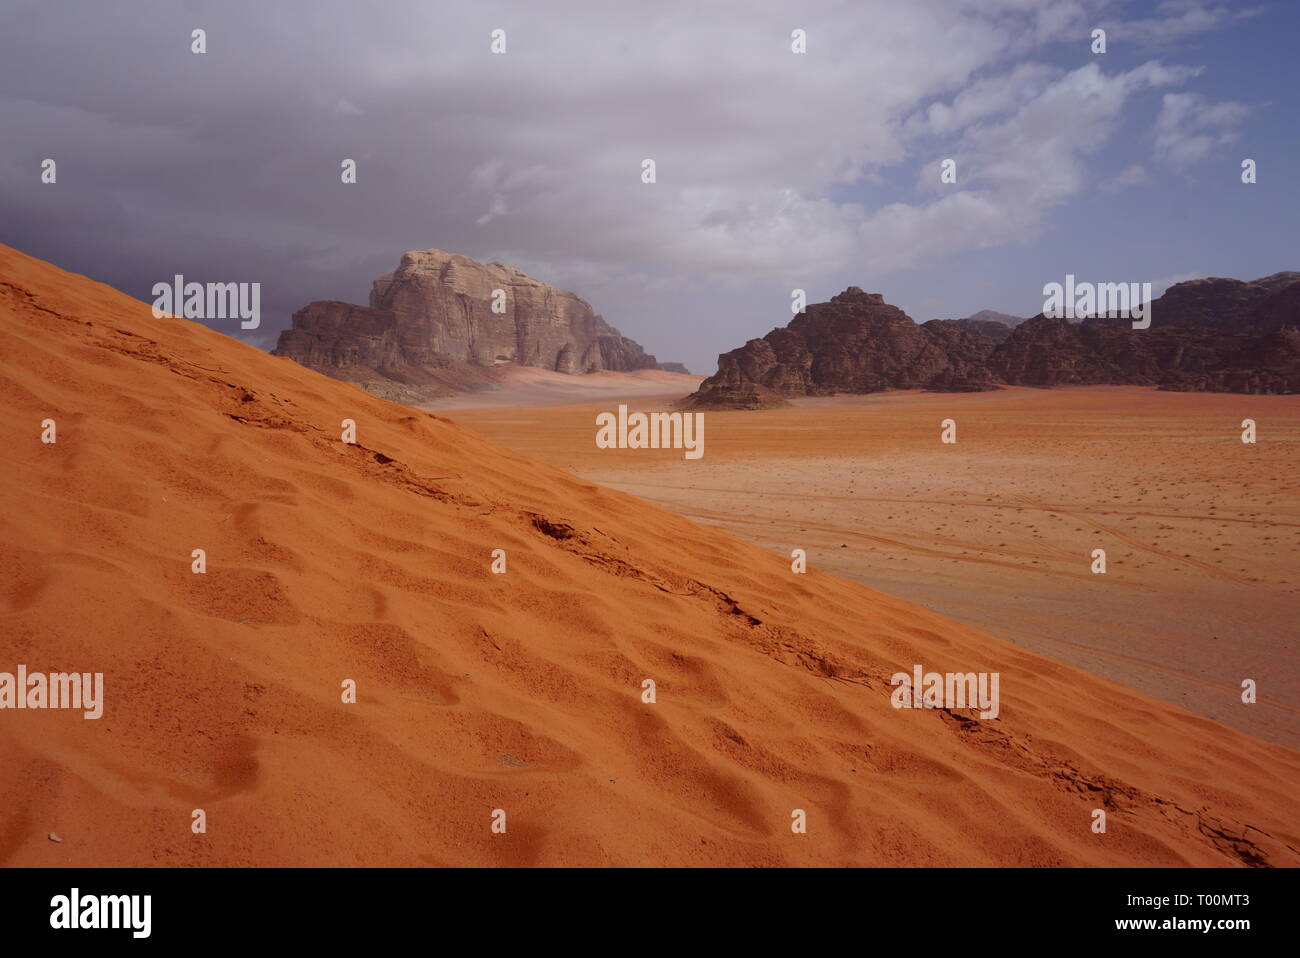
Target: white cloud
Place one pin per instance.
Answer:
(990, 96)
(1176, 20)
(1134, 175)
(770, 164)
(1190, 126)
(1014, 171)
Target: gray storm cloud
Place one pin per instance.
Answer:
(225, 166)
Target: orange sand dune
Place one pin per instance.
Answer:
(1201, 530)
(476, 691)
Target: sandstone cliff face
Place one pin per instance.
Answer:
(619, 353)
(1219, 335)
(360, 344)
(431, 323)
(333, 335)
(443, 306)
(1217, 303)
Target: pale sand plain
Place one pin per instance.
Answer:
(1201, 531)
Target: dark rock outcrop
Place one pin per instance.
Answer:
(1220, 335)
(732, 394)
(674, 368)
(330, 335)
(432, 322)
(985, 328)
(856, 343)
(1207, 335)
(619, 353)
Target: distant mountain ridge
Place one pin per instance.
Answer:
(1214, 334)
(990, 322)
(990, 315)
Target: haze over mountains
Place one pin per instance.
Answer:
(1215, 335)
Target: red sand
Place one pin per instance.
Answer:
(477, 691)
(1201, 530)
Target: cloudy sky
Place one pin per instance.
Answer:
(774, 170)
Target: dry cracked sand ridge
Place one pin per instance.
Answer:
(477, 691)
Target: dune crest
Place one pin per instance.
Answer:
(476, 691)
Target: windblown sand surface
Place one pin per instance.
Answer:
(1201, 532)
(329, 561)
(534, 386)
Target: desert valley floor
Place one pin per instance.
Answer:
(1201, 531)
(369, 563)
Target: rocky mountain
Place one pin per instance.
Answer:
(1206, 335)
(856, 343)
(440, 321)
(986, 328)
(1220, 335)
